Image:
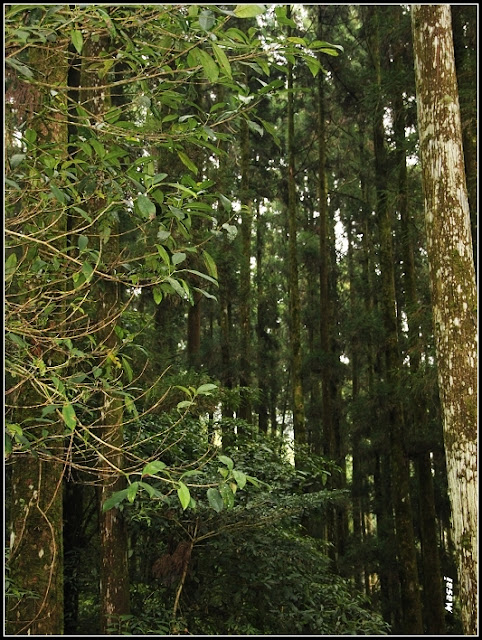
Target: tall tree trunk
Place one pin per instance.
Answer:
(245, 285)
(433, 606)
(36, 548)
(298, 407)
(452, 276)
(410, 592)
(262, 344)
(114, 574)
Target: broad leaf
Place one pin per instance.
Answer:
(68, 415)
(249, 10)
(215, 500)
(205, 389)
(153, 467)
(115, 499)
(227, 461)
(146, 207)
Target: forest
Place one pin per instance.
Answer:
(240, 312)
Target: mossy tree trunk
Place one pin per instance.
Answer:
(452, 276)
(36, 548)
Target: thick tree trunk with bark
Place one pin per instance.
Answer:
(36, 549)
(452, 275)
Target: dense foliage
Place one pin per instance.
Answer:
(222, 405)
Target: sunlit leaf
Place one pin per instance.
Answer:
(249, 10)
(77, 40)
(183, 495)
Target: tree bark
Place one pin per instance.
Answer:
(36, 549)
(452, 276)
(245, 285)
(114, 574)
(405, 537)
(295, 311)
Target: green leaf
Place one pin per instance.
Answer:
(68, 415)
(227, 461)
(227, 495)
(222, 59)
(205, 389)
(10, 265)
(179, 257)
(322, 44)
(202, 275)
(157, 294)
(272, 131)
(183, 495)
(163, 253)
(131, 491)
(153, 467)
(184, 403)
(127, 368)
(115, 499)
(146, 207)
(296, 40)
(152, 491)
(98, 147)
(177, 287)
(280, 12)
(206, 20)
(210, 265)
(215, 500)
(225, 202)
(159, 177)
(82, 242)
(209, 66)
(59, 195)
(240, 478)
(163, 234)
(313, 64)
(249, 10)
(188, 162)
(20, 342)
(87, 270)
(77, 40)
(16, 159)
(18, 66)
(254, 126)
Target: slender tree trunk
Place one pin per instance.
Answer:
(410, 592)
(194, 330)
(262, 345)
(452, 276)
(114, 574)
(298, 407)
(245, 286)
